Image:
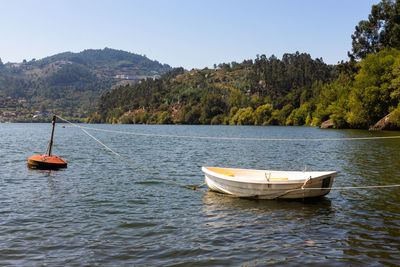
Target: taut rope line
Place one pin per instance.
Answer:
(352, 187)
(195, 187)
(238, 138)
(302, 188)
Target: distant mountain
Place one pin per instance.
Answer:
(69, 83)
(109, 62)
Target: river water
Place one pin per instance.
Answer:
(102, 211)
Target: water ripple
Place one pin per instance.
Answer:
(101, 211)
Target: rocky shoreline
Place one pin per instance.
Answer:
(383, 124)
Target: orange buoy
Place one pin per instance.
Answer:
(47, 162)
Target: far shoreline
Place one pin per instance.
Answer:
(83, 122)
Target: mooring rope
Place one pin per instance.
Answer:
(302, 188)
(352, 187)
(238, 138)
(193, 187)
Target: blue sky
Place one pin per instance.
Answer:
(192, 34)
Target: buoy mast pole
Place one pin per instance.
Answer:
(53, 122)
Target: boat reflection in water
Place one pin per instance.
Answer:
(224, 210)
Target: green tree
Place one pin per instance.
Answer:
(262, 114)
(243, 116)
(395, 118)
(372, 95)
(211, 105)
(218, 120)
(191, 114)
(164, 118)
(382, 29)
(300, 116)
(126, 120)
(237, 99)
(279, 116)
(333, 101)
(395, 84)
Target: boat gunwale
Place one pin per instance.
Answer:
(239, 179)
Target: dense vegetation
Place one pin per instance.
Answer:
(369, 89)
(69, 84)
(294, 90)
(360, 99)
(262, 92)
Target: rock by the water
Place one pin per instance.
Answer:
(326, 124)
(384, 124)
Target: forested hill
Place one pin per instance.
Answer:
(255, 92)
(68, 83)
(293, 90)
(109, 62)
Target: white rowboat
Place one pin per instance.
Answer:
(267, 184)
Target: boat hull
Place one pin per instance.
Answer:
(263, 188)
(45, 162)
